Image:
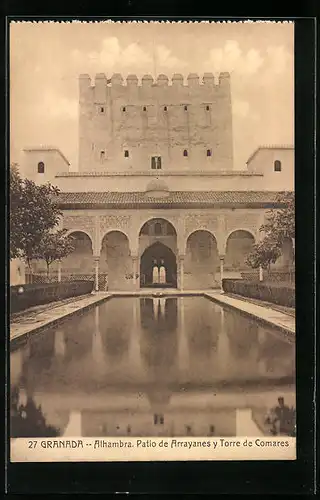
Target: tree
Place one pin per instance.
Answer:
(280, 222)
(33, 212)
(263, 254)
(279, 225)
(53, 247)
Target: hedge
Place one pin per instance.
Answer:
(25, 296)
(269, 292)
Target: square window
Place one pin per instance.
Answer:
(102, 109)
(165, 108)
(209, 152)
(126, 154)
(207, 108)
(186, 108)
(144, 108)
(124, 109)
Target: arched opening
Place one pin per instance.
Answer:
(239, 245)
(79, 264)
(115, 262)
(202, 261)
(158, 248)
(158, 267)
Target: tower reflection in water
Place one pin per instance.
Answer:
(155, 366)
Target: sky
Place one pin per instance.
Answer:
(46, 59)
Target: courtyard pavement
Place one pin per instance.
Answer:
(268, 315)
(35, 319)
(38, 318)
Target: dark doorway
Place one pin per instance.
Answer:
(158, 256)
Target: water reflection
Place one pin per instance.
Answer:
(185, 360)
(26, 418)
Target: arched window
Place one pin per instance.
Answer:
(126, 154)
(102, 155)
(209, 152)
(186, 108)
(144, 108)
(102, 109)
(40, 167)
(185, 152)
(207, 108)
(124, 108)
(165, 108)
(277, 166)
(157, 229)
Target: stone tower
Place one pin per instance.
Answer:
(155, 124)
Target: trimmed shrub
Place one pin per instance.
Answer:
(25, 296)
(283, 295)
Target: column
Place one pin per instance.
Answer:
(59, 271)
(183, 348)
(260, 273)
(135, 271)
(223, 347)
(96, 268)
(181, 272)
(134, 345)
(59, 343)
(221, 257)
(98, 353)
(74, 427)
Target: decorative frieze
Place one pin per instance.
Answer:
(244, 220)
(114, 222)
(196, 222)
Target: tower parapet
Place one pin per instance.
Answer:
(192, 80)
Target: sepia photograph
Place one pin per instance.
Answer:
(152, 241)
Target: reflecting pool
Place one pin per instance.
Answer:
(154, 367)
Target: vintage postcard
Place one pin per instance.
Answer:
(152, 241)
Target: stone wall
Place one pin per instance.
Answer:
(122, 126)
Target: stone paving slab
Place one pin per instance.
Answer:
(24, 325)
(267, 315)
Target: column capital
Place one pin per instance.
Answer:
(96, 258)
(134, 256)
(181, 256)
(221, 256)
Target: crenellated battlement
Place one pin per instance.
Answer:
(192, 80)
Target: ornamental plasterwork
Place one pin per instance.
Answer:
(196, 222)
(79, 222)
(114, 222)
(243, 221)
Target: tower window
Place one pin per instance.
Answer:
(186, 108)
(124, 109)
(209, 153)
(126, 154)
(277, 166)
(185, 152)
(144, 108)
(165, 108)
(156, 162)
(207, 108)
(40, 167)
